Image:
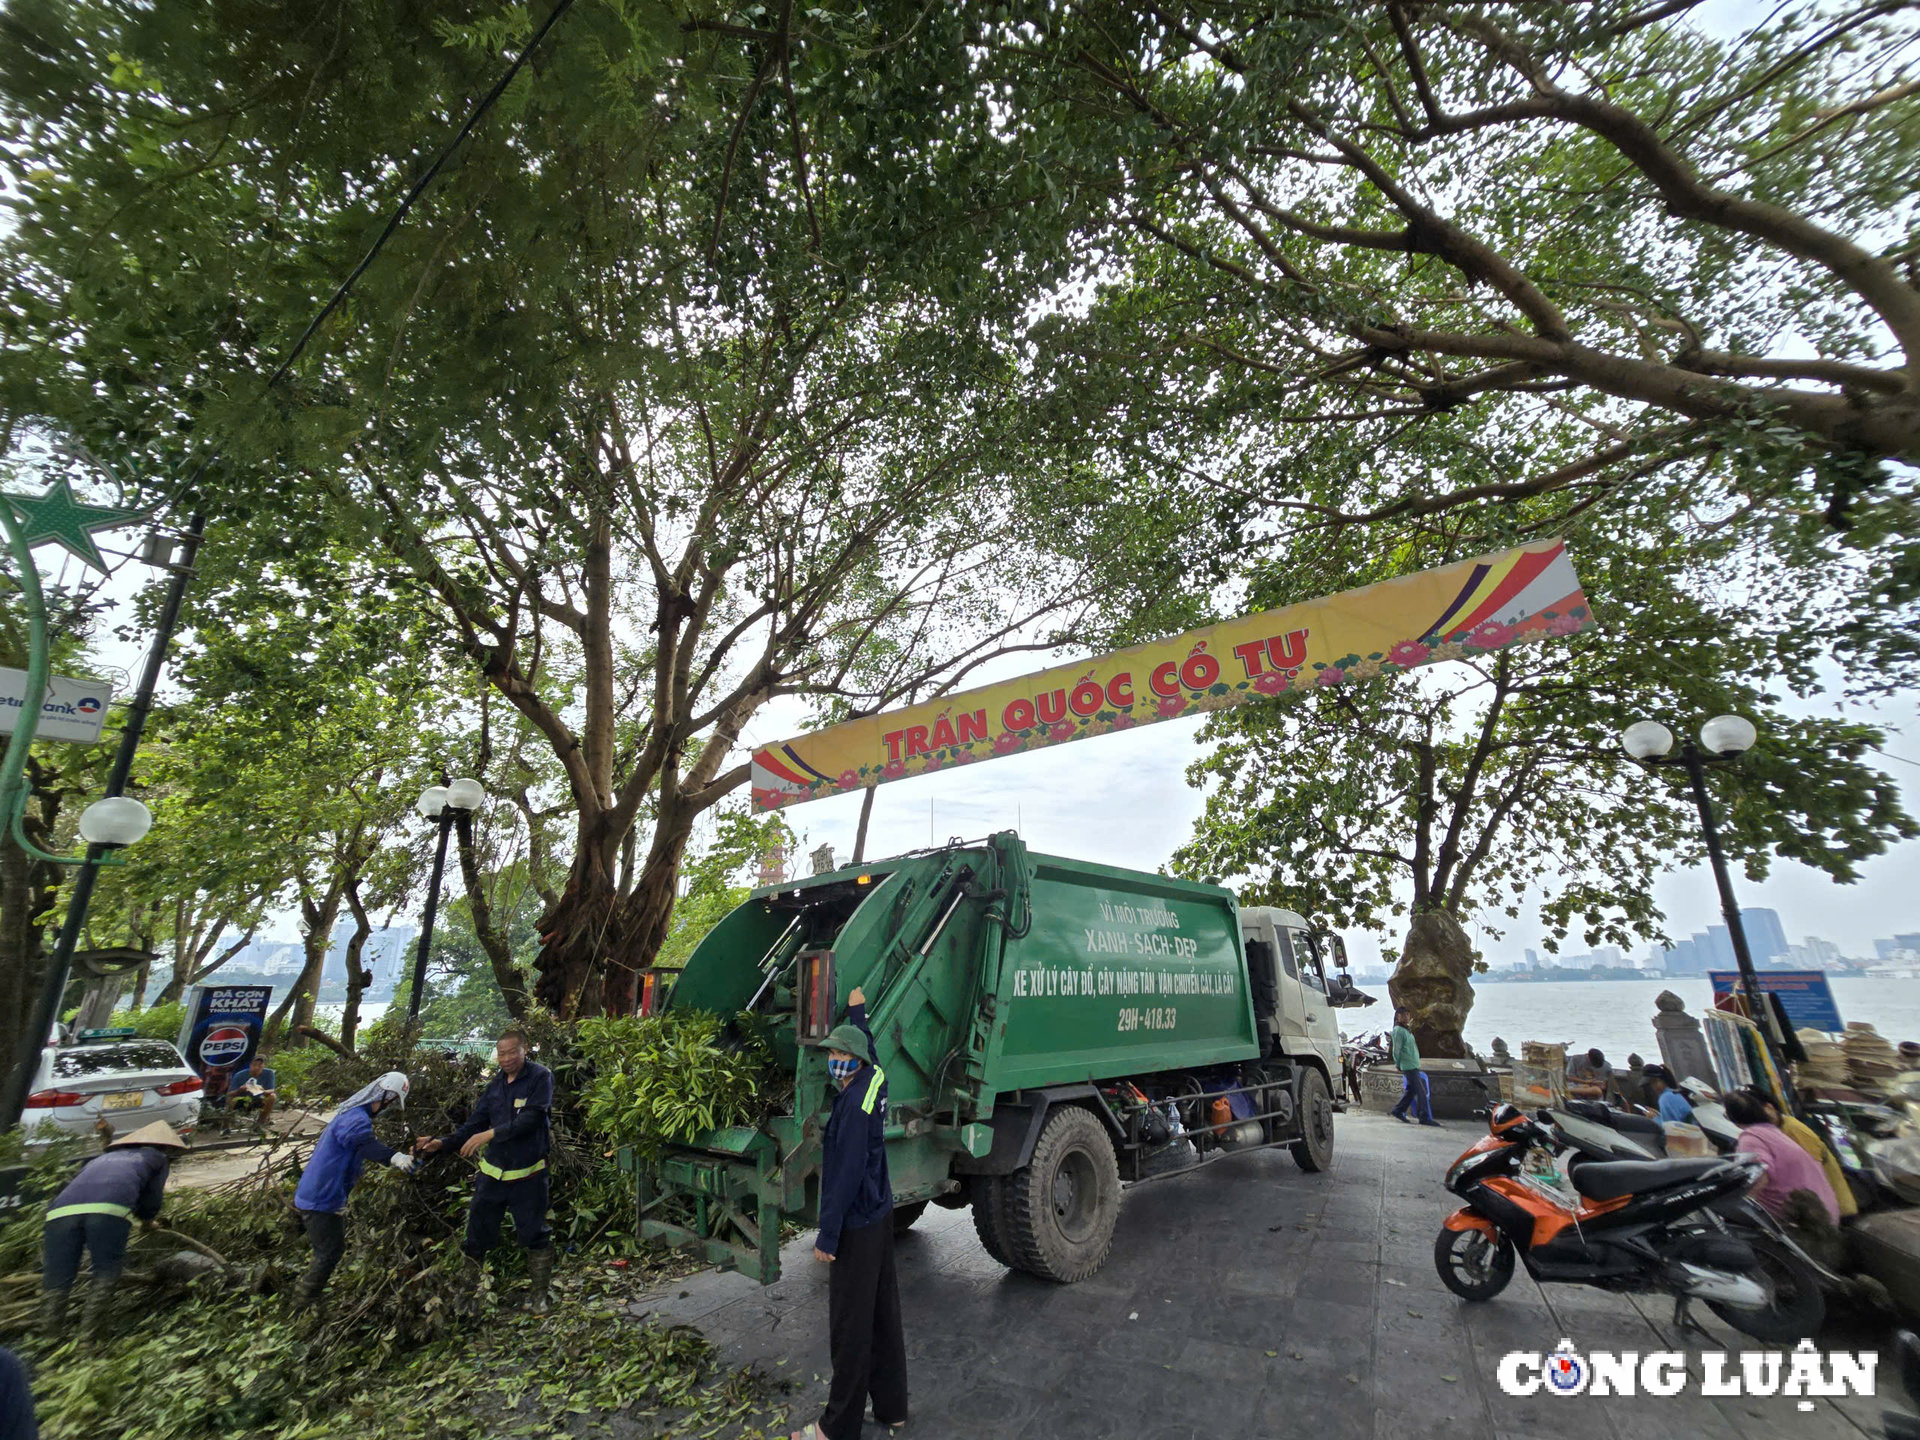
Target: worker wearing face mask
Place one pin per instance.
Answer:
(856, 1237)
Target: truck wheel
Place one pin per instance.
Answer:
(989, 1217)
(1313, 1151)
(1060, 1210)
(905, 1215)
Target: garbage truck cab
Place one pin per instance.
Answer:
(1298, 976)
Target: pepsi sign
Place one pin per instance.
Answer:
(223, 1026)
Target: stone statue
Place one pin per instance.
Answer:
(1683, 1049)
(1501, 1055)
(1432, 982)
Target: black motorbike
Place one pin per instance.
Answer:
(1637, 1226)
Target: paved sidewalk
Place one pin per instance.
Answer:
(1249, 1299)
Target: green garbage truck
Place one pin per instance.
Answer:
(1052, 1032)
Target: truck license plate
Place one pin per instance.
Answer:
(125, 1100)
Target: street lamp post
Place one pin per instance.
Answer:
(1723, 740)
(442, 804)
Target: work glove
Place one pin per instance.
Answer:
(403, 1163)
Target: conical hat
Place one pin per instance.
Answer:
(158, 1133)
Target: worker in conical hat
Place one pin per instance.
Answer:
(95, 1213)
(334, 1169)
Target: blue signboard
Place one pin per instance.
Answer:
(1804, 995)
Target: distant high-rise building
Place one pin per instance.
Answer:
(1765, 936)
(1822, 952)
(1685, 958)
(1907, 942)
(1533, 959)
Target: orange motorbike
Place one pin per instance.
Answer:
(1638, 1226)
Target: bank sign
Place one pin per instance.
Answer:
(73, 710)
(1459, 612)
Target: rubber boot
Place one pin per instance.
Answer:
(309, 1298)
(53, 1313)
(93, 1316)
(540, 1272)
(466, 1289)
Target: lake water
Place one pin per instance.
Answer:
(1617, 1015)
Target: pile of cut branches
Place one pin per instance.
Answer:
(657, 1079)
(388, 1354)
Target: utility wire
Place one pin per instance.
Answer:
(474, 116)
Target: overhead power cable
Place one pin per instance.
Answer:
(474, 116)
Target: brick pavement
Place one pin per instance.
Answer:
(1249, 1299)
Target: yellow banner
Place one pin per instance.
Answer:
(1452, 613)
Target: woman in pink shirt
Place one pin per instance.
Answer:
(1789, 1168)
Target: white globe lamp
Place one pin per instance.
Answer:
(1728, 735)
(117, 820)
(466, 795)
(1647, 740)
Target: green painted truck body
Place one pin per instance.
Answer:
(993, 976)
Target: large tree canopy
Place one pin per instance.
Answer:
(691, 386)
(1380, 263)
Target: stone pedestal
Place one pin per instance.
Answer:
(1683, 1049)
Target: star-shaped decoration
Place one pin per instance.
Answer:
(58, 517)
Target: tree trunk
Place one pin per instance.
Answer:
(1433, 982)
(140, 978)
(187, 971)
(498, 948)
(574, 935)
(357, 979)
(28, 889)
(297, 1009)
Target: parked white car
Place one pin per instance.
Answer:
(127, 1083)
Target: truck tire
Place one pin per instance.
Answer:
(905, 1215)
(1061, 1209)
(1313, 1151)
(989, 1217)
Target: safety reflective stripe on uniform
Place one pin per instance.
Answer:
(493, 1171)
(873, 1090)
(123, 1212)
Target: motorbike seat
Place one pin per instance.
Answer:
(1610, 1179)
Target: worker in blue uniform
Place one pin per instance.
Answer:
(343, 1150)
(508, 1131)
(868, 1345)
(95, 1213)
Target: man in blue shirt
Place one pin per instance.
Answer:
(1668, 1097)
(252, 1090)
(333, 1170)
(508, 1131)
(868, 1345)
